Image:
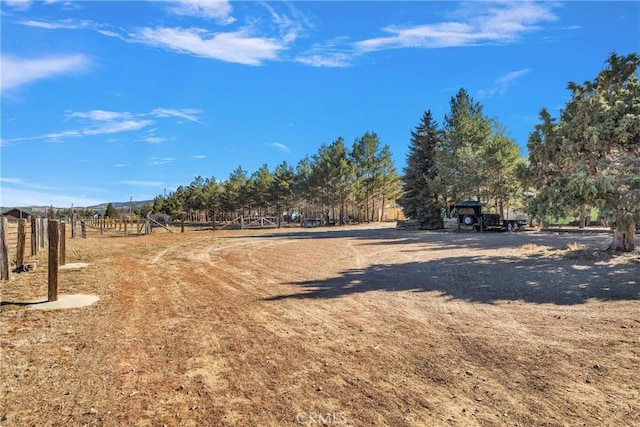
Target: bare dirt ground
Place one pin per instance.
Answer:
(364, 325)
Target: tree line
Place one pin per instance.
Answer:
(469, 157)
(587, 158)
(335, 184)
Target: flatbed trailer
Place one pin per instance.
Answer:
(469, 212)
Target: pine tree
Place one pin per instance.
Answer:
(592, 155)
(421, 190)
(465, 134)
(111, 211)
(375, 174)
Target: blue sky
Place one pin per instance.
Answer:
(103, 101)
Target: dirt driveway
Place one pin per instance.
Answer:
(344, 326)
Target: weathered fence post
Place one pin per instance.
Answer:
(241, 222)
(5, 262)
(63, 243)
(42, 231)
(182, 224)
(22, 242)
(34, 236)
(54, 257)
(83, 227)
(73, 225)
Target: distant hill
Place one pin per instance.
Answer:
(100, 207)
(118, 205)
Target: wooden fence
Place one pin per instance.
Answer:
(24, 236)
(33, 231)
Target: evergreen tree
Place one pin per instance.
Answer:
(234, 195)
(465, 134)
(592, 155)
(259, 186)
(374, 174)
(281, 190)
(421, 198)
(111, 211)
(500, 163)
(332, 176)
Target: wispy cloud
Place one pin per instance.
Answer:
(502, 83)
(249, 44)
(102, 122)
(101, 115)
(499, 22)
(157, 161)
(104, 129)
(18, 4)
(154, 139)
(11, 180)
(189, 114)
(289, 28)
(219, 10)
(337, 52)
(280, 147)
(18, 72)
(199, 157)
(238, 47)
(331, 60)
(121, 165)
(64, 24)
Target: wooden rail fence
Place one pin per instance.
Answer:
(54, 232)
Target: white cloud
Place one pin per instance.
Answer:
(280, 147)
(11, 180)
(199, 157)
(103, 122)
(500, 22)
(238, 47)
(289, 28)
(19, 71)
(18, 4)
(105, 129)
(508, 78)
(101, 115)
(326, 60)
(330, 53)
(154, 139)
(156, 161)
(220, 10)
(502, 83)
(121, 165)
(64, 24)
(188, 114)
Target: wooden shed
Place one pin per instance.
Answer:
(17, 213)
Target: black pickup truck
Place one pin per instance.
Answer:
(469, 212)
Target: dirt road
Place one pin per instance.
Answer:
(346, 326)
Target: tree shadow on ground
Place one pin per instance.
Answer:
(540, 280)
(442, 240)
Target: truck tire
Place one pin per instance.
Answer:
(509, 226)
(467, 220)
